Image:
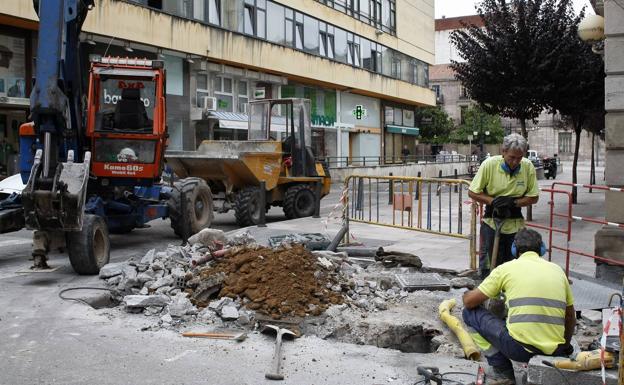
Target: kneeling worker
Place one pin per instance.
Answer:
(504, 183)
(541, 315)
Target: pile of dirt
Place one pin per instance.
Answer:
(276, 282)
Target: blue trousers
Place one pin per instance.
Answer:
(491, 335)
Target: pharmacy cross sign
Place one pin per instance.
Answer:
(359, 112)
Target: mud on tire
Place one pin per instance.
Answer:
(299, 201)
(247, 206)
(198, 213)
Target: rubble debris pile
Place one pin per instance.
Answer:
(280, 281)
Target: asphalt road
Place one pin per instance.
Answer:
(46, 340)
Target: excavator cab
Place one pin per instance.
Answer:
(126, 120)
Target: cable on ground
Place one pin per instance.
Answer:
(60, 294)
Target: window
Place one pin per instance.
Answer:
(379, 13)
(299, 31)
(389, 115)
(353, 54)
(289, 27)
(201, 90)
(223, 93)
(436, 88)
(214, 12)
(463, 92)
(565, 142)
(250, 20)
(243, 96)
(462, 114)
(340, 45)
(398, 116)
(311, 35)
(199, 11)
(275, 23)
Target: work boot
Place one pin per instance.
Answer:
(500, 376)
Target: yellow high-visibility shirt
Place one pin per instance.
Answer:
(494, 181)
(537, 293)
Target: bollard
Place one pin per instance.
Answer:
(390, 190)
(417, 195)
(262, 204)
(359, 200)
(317, 198)
(455, 174)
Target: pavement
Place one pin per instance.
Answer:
(46, 340)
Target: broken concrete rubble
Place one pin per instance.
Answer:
(207, 237)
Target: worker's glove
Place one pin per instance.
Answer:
(504, 202)
(564, 349)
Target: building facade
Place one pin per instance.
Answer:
(355, 61)
(547, 135)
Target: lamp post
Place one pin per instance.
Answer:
(470, 146)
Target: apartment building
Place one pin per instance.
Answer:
(364, 64)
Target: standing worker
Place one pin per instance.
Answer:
(541, 316)
(505, 183)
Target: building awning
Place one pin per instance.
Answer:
(237, 121)
(230, 120)
(403, 130)
(14, 103)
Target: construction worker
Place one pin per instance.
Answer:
(541, 315)
(504, 183)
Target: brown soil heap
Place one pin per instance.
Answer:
(277, 282)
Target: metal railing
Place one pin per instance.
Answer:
(363, 161)
(569, 217)
(431, 205)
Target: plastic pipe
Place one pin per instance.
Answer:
(468, 345)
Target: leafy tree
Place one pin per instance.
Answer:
(434, 123)
(476, 119)
(507, 61)
(577, 80)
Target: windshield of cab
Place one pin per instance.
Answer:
(126, 104)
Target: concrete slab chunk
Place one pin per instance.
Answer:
(422, 281)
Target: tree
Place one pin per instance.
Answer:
(577, 81)
(476, 119)
(507, 60)
(434, 123)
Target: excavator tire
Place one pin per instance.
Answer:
(299, 201)
(198, 212)
(89, 249)
(247, 206)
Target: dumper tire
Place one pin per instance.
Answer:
(299, 201)
(247, 206)
(89, 249)
(198, 213)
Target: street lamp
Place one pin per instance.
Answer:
(470, 146)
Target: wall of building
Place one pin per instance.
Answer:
(430, 170)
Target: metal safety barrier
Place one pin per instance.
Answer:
(431, 205)
(569, 218)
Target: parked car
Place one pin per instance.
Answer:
(10, 185)
(535, 158)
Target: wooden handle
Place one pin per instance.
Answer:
(191, 334)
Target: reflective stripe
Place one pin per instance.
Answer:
(490, 352)
(545, 319)
(533, 301)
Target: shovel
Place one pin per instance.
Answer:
(277, 355)
(498, 224)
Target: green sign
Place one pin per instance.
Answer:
(359, 112)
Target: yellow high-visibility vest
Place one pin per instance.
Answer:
(537, 293)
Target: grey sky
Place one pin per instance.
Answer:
(453, 8)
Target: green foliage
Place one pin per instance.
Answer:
(475, 119)
(509, 63)
(435, 125)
